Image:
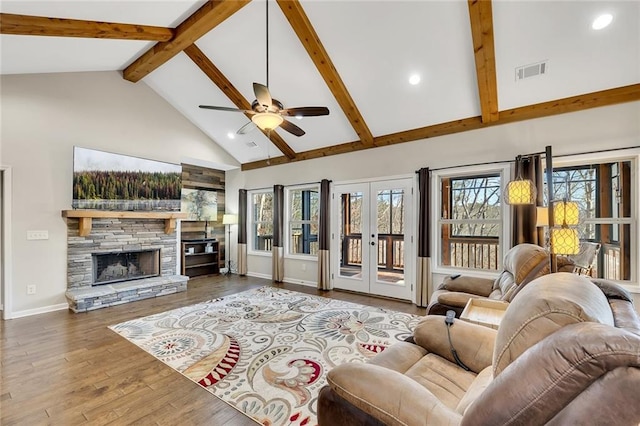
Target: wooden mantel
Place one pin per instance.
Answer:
(85, 218)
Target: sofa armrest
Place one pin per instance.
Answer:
(455, 298)
(466, 284)
(473, 343)
(575, 362)
(389, 396)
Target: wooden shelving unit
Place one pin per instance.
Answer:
(200, 257)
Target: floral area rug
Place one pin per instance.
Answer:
(267, 351)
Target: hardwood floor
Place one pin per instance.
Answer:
(62, 368)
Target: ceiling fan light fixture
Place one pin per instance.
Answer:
(267, 120)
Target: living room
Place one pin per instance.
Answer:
(46, 114)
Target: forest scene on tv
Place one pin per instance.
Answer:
(106, 181)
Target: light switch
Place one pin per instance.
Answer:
(38, 235)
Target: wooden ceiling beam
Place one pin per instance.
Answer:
(210, 15)
(481, 17)
(301, 25)
(618, 95)
(545, 109)
(60, 27)
(223, 83)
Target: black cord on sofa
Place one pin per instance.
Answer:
(448, 320)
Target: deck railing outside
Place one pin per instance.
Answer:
(265, 243)
(474, 253)
(390, 251)
(461, 252)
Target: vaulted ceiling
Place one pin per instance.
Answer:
(355, 57)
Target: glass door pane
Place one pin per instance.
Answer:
(391, 254)
(350, 247)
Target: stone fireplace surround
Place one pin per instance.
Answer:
(113, 234)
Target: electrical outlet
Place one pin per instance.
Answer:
(31, 289)
(304, 266)
(38, 235)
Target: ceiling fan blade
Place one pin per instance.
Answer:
(219, 108)
(291, 128)
(262, 94)
(249, 127)
(305, 111)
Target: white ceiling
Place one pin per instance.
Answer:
(374, 45)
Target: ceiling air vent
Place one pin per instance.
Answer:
(533, 70)
(252, 144)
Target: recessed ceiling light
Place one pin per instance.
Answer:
(231, 135)
(602, 21)
(414, 79)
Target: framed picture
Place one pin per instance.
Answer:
(200, 204)
(108, 181)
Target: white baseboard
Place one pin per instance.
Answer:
(286, 279)
(257, 275)
(301, 282)
(36, 311)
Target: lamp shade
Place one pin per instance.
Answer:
(229, 219)
(521, 191)
(267, 120)
(565, 213)
(564, 241)
(542, 216)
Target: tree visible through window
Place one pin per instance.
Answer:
(304, 206)
(262, 220)
(471, 221)
(603, 193)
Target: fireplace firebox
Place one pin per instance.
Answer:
(125, 266)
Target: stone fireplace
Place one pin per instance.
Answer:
(120, 259)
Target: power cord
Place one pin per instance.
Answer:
(448, 320)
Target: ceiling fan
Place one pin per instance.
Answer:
(268, 113)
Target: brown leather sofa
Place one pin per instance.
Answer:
(522, 264)
(566, 352)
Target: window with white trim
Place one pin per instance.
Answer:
(470, 231)
(260, 221)
(303, 204)
(606, 193)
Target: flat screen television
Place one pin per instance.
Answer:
(108, 181)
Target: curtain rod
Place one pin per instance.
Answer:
(286, 186)
(528, 155)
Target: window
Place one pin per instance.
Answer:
(261, 220)
(603, 191)
(470, 211)
(302, 212)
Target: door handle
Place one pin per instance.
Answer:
(372, 243)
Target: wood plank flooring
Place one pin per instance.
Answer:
(62, 368)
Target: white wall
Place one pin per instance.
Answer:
(43, 117)
(595, 129)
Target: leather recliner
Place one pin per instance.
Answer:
(522, 264)
(566, 352)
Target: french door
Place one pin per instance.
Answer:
(372, 228)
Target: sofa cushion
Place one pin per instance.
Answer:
(543, 307)
(442, 378)
(399, 357)
(481, 382)
(520, 261)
